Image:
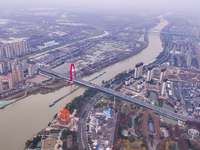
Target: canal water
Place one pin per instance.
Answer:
(21, 120)
(165, 106)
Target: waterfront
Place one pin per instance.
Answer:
(165, 106)
(21, 120)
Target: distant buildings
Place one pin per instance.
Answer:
(1, 86)
(47, 44)
(2, 67)
(182, 51)
(138, 70)
(173, 51)
(13, 50)
(188, 57)
(24, 64)
(13, 67)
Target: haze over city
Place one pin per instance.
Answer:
(99, 75)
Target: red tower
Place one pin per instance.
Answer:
(72, 65)
(64, 117)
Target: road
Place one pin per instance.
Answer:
(82, 135)
(161, 111)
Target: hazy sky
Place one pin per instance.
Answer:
(112, 5)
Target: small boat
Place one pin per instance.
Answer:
(51, 105)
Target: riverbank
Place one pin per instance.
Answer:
(16, 98)
(119, 59)
(43, 90)
(35, 108)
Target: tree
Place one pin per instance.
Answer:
(64, 146)
(65, 133)
(183, 143)
(197, 147)
(131, 138)
(171, 132)
(28, 143)
(177, 130)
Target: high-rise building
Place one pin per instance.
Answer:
(9, 66)
(197, 51)
(24, 48)
(150, 73)
(15, 76)
(138, 70)
(2, 51)
(13, 67)
(1, 86)
(13, 50)
(24, 64)
(188, 58)
(30, 71)
(163, 85)
(162, 73)
(17, 61)
(173, 51)
(9, 51)
(2, 67)
(182, 51)
(10, 81)
(16, 49)
(20, 74)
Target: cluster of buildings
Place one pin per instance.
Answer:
(102, 128)
(13, 50)
(12, 72)
(183, 53)
(52, 135)
(47, 44)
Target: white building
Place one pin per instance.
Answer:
(31, 71)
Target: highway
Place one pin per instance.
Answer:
(161, 111)
(82, 136)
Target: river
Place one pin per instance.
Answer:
(21, 120)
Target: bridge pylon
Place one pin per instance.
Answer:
(72, 65)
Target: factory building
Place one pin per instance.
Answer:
(138, 70)
(163, 88)
(163, 70)
(150, 73)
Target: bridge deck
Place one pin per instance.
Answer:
(161, 111)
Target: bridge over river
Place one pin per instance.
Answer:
(161, 111)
